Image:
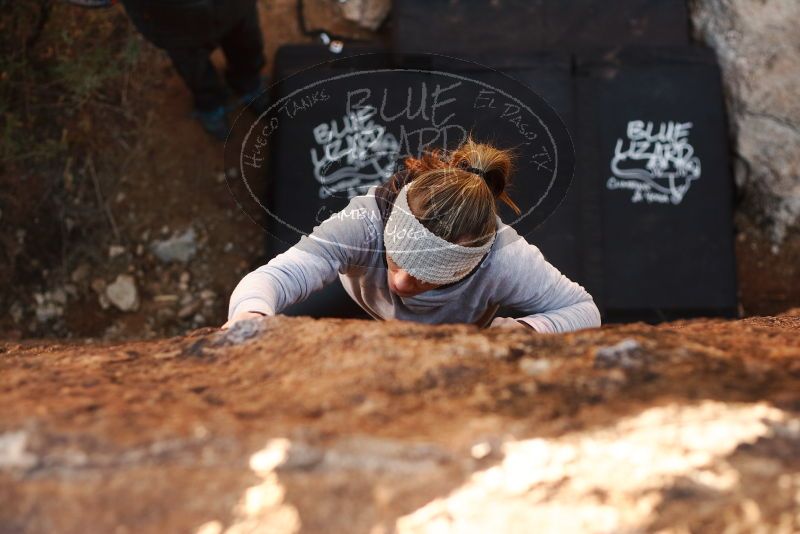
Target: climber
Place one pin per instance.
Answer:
(435, 251)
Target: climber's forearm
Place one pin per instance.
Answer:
(583, 314)
(256, 292)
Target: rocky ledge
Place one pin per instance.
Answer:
(287, 425)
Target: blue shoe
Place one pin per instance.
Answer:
(215, 122)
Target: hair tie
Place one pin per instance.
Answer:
(475, 170)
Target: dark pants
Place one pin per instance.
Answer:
(189, 30)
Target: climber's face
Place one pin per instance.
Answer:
(403, 284)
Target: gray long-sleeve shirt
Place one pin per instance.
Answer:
(349, 245)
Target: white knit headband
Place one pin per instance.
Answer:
(423, 254)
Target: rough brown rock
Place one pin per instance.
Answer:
(300, 425)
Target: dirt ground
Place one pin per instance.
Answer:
(107, 160)
(768, 274)
(130, 166)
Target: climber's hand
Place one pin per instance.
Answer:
(508, 322)
(243, 315)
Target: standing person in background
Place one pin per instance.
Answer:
(189, 30)
(429, 247)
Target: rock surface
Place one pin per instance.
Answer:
(122, 293)
(368, 14)
(297, 425)
(758, 47)
(180, 247)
